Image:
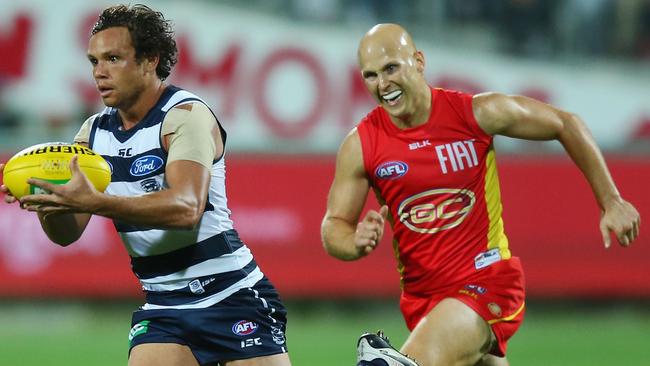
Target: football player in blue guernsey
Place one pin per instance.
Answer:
(207, 301)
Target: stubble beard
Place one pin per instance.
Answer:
(127, 101)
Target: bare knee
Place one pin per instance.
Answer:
(273, 360)
(161, 354)
(452, 334)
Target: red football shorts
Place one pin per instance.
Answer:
(496, 293)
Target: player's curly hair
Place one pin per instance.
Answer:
(151, 33)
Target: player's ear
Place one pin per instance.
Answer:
(151, 63)
(419, 61)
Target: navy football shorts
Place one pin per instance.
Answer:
(250, 323)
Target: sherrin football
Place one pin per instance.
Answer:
(51, 162)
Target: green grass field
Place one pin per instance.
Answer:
(325, 333)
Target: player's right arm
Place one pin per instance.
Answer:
(61, 228)
(343, 236)
(65, 228)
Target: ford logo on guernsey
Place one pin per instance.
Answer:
(145, 165)
(244, 327)
(391, 170)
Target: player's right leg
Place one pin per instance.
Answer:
(469, 322)
(451, 334)
(161, 354)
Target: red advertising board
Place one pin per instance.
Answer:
(278, 202)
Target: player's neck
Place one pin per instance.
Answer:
(132, 115)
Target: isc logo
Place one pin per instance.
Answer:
(391, 170)
(251, 342)
(436, 210)
(244, 327)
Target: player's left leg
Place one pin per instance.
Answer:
(161, 354)
(376, 350)
(273, 360)
(451, 334)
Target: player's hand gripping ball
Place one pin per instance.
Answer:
(51, 162)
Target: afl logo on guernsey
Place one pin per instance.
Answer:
(145, 165)
(244, 327)
(391, 170)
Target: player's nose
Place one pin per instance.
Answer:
(383, 82)
(99, 71)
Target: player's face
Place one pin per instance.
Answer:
(119, 77)
(393, 77)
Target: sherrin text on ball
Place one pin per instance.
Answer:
(51, 162)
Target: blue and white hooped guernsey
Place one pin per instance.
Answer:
(178, 269)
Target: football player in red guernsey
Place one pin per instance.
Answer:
(428, 154)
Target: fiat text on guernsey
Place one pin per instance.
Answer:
(458, 154)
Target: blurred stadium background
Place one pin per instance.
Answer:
(281, 75)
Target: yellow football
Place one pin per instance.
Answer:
(51, 162)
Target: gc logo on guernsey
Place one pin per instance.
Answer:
(437, 209)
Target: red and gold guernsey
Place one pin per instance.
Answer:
(440, 183)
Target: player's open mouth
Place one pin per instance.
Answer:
(392, 97)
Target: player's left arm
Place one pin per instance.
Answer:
(526, 118)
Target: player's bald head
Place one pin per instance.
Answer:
(386, 39)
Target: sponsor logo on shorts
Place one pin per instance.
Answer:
(476, 288)
(196, 287)
(278, 335)
(468, 293)
(436, 210)
(391, 170)
(244, 327)
(474, 291)
(145, 165)
(251, 342)
(208, 281)
(487, 258)
(494, 309)
(139, 328)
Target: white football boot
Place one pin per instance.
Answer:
(375, 350)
